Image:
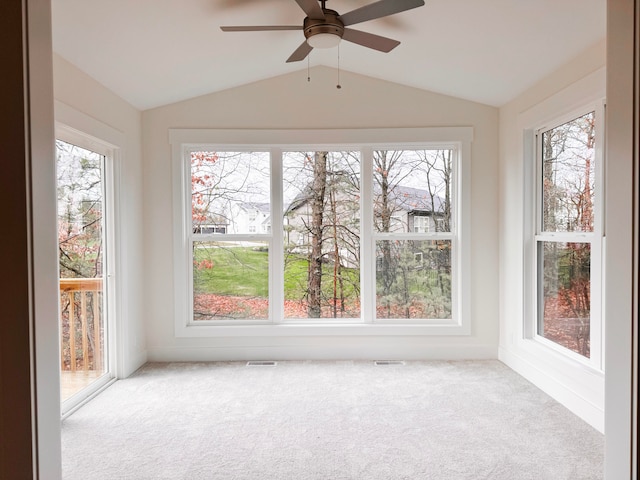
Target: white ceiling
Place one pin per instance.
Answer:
(155, 52)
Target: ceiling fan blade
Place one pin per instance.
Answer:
(311, 8)
(301, 53)
(378, 9)
(260, 28)
(382, 44)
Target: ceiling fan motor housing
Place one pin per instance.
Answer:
(330, 24)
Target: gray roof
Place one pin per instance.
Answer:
(416, 200)
(262, 207)
(409, 199)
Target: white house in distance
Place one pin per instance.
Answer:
(242, 218)
(411, 211)
(250, 217)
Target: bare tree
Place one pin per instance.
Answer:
(222, 180)
(567, 206)
(384, 207)
(79, 186)
(223, 186)
(316, 230)
(418, 185)
(325, 188)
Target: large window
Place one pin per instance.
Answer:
(322, 236)
(567, 236)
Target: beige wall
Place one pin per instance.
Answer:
(290, 102)
(83, 94)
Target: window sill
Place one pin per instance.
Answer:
(559, 357)
(302, 330)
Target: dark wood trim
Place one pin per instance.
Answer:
(16, 390)
(636, 218)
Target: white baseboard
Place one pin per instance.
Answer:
(548, 382)
(321, 352)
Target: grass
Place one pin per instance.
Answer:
(224, 269)
(296, 274)
(244, 271)
(228, 270)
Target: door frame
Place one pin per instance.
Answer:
(76, 135)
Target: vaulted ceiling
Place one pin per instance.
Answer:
(155, 52)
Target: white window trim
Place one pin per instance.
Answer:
(529, 339)
(277, 141)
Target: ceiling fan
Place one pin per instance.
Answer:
(324, 28)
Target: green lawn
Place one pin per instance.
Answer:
(244, 271)
(296, 274)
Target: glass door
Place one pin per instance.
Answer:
(82, 249)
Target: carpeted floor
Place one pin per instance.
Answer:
(472, 420)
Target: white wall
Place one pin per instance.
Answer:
(577, 82)
(290, 102)
(621, 276)
(93, 108)
(38, 206)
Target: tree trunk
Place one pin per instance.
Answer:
(314, 283)
(388, 272)
(336, 250)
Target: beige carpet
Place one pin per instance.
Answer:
(470, 420)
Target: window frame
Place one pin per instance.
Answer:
(453, 235)
(74, 127)
(535, 235)
(276, 142)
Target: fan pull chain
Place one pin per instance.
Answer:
(338, 86)
(308, 68)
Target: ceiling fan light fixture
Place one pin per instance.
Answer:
(324, 28)
(324, 33)
(324, 40)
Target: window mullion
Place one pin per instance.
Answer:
(577, 237)
(367, 245)
(188, 232)
(276, 244)
(596, 324)
(538, 229)
(597, 267)
(598, 208)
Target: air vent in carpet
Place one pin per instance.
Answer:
(389, 362)
(261, 363)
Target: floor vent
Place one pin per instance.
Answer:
(389, 362)
(261, 363)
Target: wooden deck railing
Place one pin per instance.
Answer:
(81, 323)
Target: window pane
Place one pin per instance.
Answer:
(565, 313)
(322, 234)
(413, 279)
(230, 193)
(230, 280)
(568, 176)
(412, 190)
